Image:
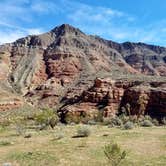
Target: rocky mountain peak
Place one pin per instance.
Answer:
(66, 29)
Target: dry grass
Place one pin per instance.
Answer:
(144, 146)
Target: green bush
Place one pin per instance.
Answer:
(83, 131)
(47, 117)
(163, 120)
(128, 125)
(146, 123)
(114, 154)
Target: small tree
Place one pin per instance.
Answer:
(142, 102)
(114, 154)
(47, 117)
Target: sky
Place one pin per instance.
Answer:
(117, 20)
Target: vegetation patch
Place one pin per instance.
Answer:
(33, 158)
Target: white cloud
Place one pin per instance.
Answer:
(42, 6)
(34, 31)
(10, 36)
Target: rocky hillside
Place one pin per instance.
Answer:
(59, 68)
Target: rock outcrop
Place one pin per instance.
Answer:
(109, 96)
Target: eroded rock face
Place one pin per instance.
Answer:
(146, 99)
(109, 96)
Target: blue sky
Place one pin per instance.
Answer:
(118, 20)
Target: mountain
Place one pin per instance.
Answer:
(71, 71)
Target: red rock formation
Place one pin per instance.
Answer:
(109, 96)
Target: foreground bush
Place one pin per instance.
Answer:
(114, 154)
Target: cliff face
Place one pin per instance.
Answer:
(51, 68)
(111, 96)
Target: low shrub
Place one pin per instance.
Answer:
(47, 117)
(147, 117)
(58, 135)
(163, 120)
(116, 121)
(155, 122)
(124, 118)
(83, 131)
(146, 123)
(128, 125)
(91, 122)
(20, 129)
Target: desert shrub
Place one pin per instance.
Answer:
(116, 121)
(147, 117)
(112, 121)
(155, 122)
(146, 123)
(163, 120)
(114, 154)
(47, 117)
(58, 135)
(83, 131)
(5, 143)
(107, 121)
(128, 125)
(91, 122)
(124, 118)
(20, 129)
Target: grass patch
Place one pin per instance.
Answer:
(144, 146)
(33, 158)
